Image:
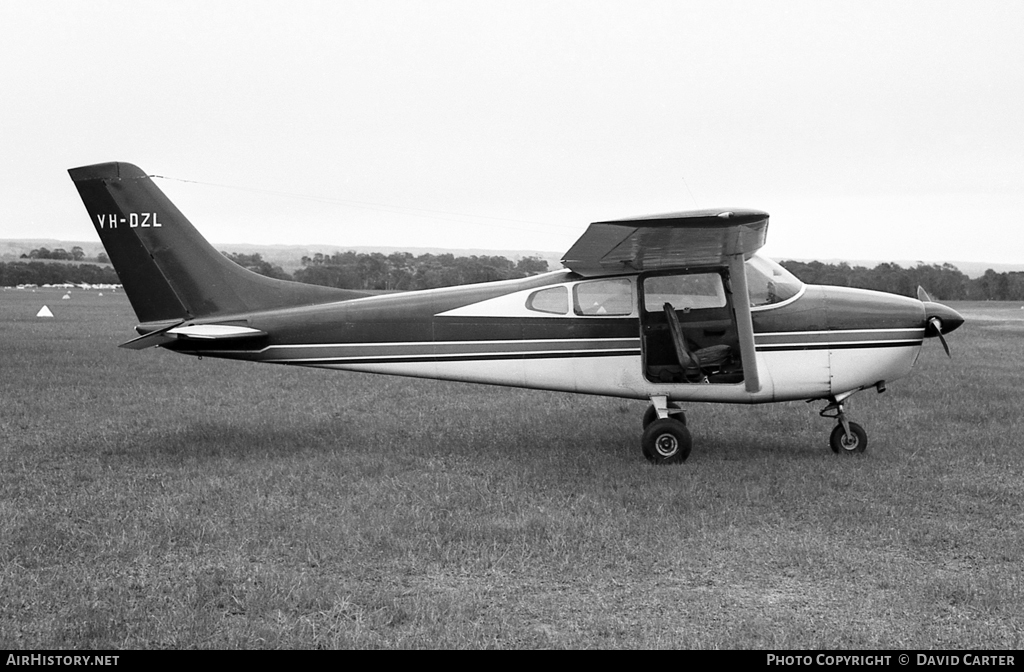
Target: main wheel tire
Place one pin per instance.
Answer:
(650, 415)
(666, 441)
(841, 444)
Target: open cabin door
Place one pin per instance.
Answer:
(688, 328)
(658, 245)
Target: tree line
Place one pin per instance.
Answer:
(400, 271)
(60, 254)
(347, 270)
(16, 273)
(403, 271)
(942, 282)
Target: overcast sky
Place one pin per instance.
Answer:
(868, 130)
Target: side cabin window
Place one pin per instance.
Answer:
(603, 297)
(554, 300)
(684, 292)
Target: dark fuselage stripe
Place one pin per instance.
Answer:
(556, 354)
(850, 336)
(367, 349)
(532, 349)
(482, 357)
(839, 346)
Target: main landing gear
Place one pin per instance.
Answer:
(666, 439)
(847, 437)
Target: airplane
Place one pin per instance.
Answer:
(672, 308)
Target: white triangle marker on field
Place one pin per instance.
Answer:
(44, 312)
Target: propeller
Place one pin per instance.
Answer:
(936, 324)
(939, 319)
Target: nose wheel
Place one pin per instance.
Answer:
(855, 442)
(847, 437)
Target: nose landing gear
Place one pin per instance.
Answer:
(847, 437)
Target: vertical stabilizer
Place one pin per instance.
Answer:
(168, 270)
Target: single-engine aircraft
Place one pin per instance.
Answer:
(669, 308)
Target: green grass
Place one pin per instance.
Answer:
(152, 500)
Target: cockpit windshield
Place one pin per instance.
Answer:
(769, 283)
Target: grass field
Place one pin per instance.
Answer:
(152, 500)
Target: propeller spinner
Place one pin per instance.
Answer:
(939, 319)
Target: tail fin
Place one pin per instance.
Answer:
(167, 268)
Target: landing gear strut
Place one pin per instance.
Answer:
(847, 437)
(666, 439)
(676, 413)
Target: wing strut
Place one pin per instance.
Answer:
(744, 323)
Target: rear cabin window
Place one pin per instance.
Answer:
(603, 297)
(554, 300)
(685, 292)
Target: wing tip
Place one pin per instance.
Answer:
(711, 217)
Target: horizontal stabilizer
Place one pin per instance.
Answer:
(202, 332)
(215, 332)
(153, 338)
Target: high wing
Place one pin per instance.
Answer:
(708, 238)
(673, 240)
